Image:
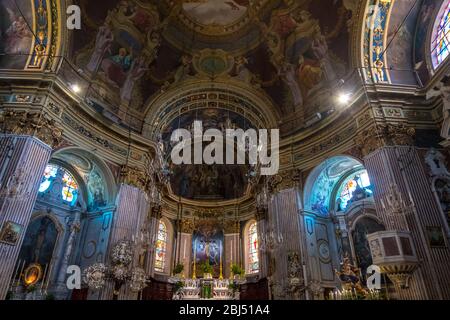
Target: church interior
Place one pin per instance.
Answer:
(93, 206)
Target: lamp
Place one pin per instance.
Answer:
(119, 271)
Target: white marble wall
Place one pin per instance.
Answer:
(131, 213)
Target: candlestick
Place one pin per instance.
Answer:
(194, 271)
(220, 261)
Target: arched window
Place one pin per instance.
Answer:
(161, 247)
(441, 36)
(69, 189)
(49, 175)
(252, 256)
(354, 187)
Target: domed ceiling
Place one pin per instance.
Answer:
(216, 12)
(292, 52)
(207, 182)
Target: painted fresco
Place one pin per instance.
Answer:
(204, 182)
(16, 38)
(216, 12)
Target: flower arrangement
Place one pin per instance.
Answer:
(178, 268)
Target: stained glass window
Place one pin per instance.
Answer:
(69, 189)
(440, 38)
(49, 175)
(358, 180)
(161, 245)
(253, 260)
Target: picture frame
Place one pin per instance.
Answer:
(10, 233)
(436, 238)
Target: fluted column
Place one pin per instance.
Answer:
(129, 219)
(22, 163)
(261, 223)
(155, 217)
(232, 247)
(401, 166)
(283, 219)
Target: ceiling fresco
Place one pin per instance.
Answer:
(216, 12)
(128, 53)
(16, 39)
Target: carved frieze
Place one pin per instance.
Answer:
(187, 226)
(285, 180)
(368, 141)
(382, 135)
(134, 177)
(231, 226)
(32, 123)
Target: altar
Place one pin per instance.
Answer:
(206, 289)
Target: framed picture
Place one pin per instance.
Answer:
(435, 237)
(10, 233)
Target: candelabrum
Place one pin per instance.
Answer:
(346, 294)
(271, 240)
(120, 271)
(394, 203)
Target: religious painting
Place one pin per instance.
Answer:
(425, 18)
(116, 48)
(401, 41)
(435, 237)
(39, 242)
(208, 246)
(96, 189)
(16, 37)
(10, 233)
(216, 12)
(442, 187)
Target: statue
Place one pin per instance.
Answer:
(436, 161)
(443, 90)
(349, 277)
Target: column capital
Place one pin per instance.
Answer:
(135, 177)
(382, 135)
(286, 179)
(32, 123)
(231, 226)
(187, 226)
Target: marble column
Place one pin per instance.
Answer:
(131, 214)
(183, 255)
(231, 253)
(261, 223)
(283, 220)
(155, 217)
(401, 166)
(231, 246)
(22, 163)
